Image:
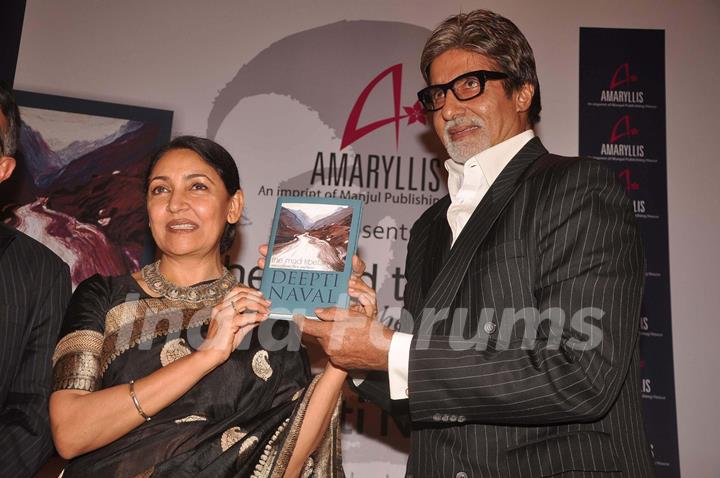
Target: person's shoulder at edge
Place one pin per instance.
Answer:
(553, 166)
(94, 296)
(111, 289)
(29, 248)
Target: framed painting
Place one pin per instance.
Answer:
(78, 185)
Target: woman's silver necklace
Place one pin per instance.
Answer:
(157, 283)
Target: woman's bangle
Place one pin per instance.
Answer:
(135, 401)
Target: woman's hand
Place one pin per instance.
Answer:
(82, 421)
(241, 310)
(364, 298)
(263, 250)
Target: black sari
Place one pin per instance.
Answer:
(241, 420)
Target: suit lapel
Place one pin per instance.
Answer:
(445, 286)
(438, 243)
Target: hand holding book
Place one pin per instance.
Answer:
(351, 339)
(363, 297)
(308, 260)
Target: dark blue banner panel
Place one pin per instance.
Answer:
(622, 123)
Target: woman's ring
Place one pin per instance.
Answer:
(234, 306)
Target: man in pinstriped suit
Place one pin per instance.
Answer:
(34, 291)
(523, 285)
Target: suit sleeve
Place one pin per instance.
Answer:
(375, 386)
(25, 440)
(587, 276)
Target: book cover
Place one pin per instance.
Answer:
(310, 251)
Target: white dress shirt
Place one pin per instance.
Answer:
(467, 184)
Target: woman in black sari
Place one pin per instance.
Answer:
(173, 371)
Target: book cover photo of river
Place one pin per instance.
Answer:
(312, 237)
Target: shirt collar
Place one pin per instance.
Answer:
(489, 162)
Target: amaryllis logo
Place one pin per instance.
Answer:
(630, 185)
(414, 113)
(622, 76)
(623, 129)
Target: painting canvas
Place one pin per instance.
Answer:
(78, 185)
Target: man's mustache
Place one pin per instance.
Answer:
(460, 122)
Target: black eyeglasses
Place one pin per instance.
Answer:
(465, 87)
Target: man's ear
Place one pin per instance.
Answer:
(7, 166)
(237, 201)
(523, 97)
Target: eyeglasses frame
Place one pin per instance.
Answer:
(482, 75)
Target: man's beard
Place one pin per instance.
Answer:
(461, 151)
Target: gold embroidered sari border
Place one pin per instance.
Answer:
(129, 312)
(79, 341)
(324, 462)
(76, 370)
(131, 333)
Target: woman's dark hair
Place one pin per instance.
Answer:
(217, 157)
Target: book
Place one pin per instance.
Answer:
(310, 251)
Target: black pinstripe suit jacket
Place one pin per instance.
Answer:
(552, 234)
(34, 291)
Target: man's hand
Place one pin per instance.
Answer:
(350, 339)
(353, 339)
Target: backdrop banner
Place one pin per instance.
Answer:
(622, 122)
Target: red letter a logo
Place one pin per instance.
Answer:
(352, 132)
(622, 129)
(622, 76)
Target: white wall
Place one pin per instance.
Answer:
(166, 54)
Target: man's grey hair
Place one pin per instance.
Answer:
(9, 137)
(496, 37)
